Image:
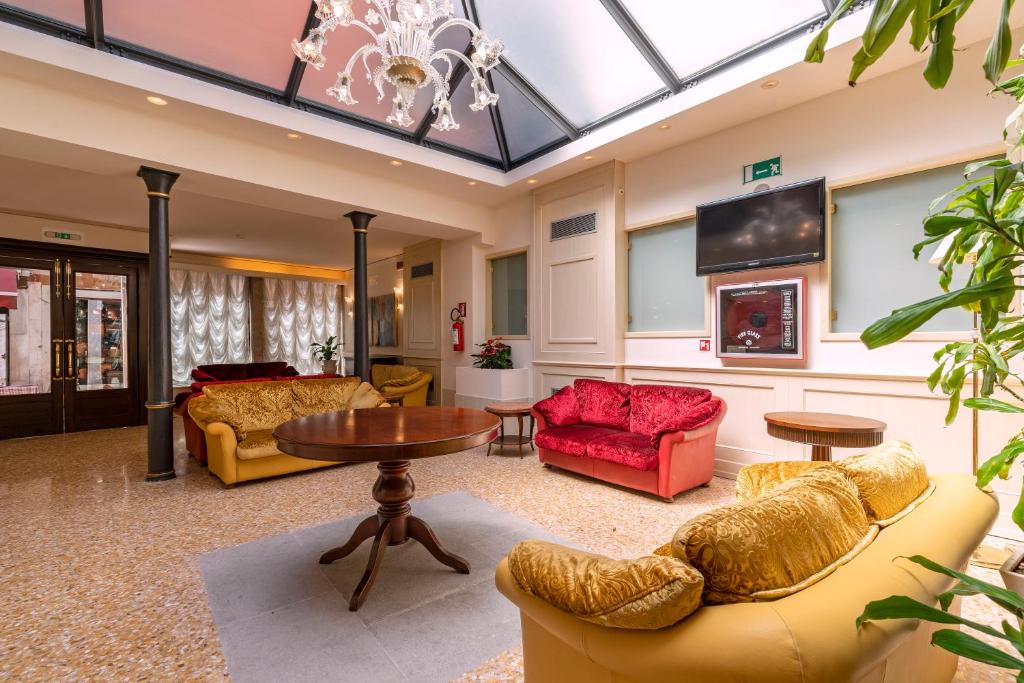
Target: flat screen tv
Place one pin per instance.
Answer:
(776, 227)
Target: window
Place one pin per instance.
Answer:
(665, 294)
(209, 321)
(873, 269)
(508, 296)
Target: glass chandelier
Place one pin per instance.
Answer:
(405, 46)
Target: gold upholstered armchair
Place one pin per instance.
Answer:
(402, 380)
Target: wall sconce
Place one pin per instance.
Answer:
(399, 303)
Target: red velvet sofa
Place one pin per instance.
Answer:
(228, 373)
(653, 438)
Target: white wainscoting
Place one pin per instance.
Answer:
(903, 403)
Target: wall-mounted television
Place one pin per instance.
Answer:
(777, 227)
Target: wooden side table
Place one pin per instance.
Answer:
(825, 430)
(518, 411)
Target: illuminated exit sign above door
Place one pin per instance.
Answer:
(759, 170)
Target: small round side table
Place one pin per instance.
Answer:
(518, 411)
(825, 430)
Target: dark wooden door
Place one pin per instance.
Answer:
(101, 344)
(31, 350)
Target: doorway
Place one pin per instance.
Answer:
(69, 340)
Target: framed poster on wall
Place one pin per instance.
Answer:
(761, 319)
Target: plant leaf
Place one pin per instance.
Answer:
(993, 405)
(904, 607)
(1006, 598)
(998, 53)
(966, 645)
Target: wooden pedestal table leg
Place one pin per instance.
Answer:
(821, 453)
(519, 419)
(421, 531)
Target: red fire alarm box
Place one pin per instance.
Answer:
(761, 320)
(705, 344)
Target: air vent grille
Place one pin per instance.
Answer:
(571, 227)
(423, 270)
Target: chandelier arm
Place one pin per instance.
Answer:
(449, 51)
(373, 34)
(455, 21)
(383, 8)
(364, 50)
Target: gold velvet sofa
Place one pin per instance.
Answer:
(238, 421)
(809, 636)
(406, 381)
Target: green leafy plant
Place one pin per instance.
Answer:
(327, 351)
(494, 355)
(982, 222)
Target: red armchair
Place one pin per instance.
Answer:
(658, 439)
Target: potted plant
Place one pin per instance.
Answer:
(326, 354)
(492, 377)
(982, 221)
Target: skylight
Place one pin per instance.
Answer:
(569, 68)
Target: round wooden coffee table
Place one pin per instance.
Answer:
(825, 430)
(391, 437)
(518, 411)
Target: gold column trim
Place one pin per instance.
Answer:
(164, 195)
(159, 406)
(360, 230)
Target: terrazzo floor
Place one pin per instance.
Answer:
(99, 578)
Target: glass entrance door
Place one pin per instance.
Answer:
(31, 353)
(100, 319)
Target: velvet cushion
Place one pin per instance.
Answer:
(625, 448)
(315, 396)
(760, 478)
(225, 371)
(647, 593)
(204, 412)
(258, 444)
(289, 371)
(272, 369)
(695, 417)
(202, 376)
(889, 478)
(653, 405)
(561, 408)
(570, 439)
(778, 543)
(603, 404)
(252, 406)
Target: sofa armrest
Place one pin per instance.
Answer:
(221, 447)
(710, 429)
(542, 424)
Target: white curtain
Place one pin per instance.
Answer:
(209, 321)
(297, 313)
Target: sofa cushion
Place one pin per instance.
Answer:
(257, 444)
(225, 371)
(315, 396)
(652, 405)
(202, 376)
(289, 371)
(757, 479)
(625, 448)
(647, 593)
(271, 369)
(561, 408)
(570, 439)
(693, 418)
(365, 396)
(603, 404)
(891, 480)
(204, 412)
(778, 543)
(252, 406)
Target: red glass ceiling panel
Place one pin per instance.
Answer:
(252, 41)
(69, 11)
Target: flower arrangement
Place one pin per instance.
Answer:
(494, 355)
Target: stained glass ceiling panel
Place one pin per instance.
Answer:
(527, 128)
(574, 53)
(69, 11)
(255, 46)
(342, 43)
(475, 132)
(694, 35)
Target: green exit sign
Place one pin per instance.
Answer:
(760, 170)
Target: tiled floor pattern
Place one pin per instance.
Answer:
(100, 575)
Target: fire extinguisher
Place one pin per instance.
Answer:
(458, 331)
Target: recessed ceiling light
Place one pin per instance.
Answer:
(588, 157)
(293, 136)
(239, 236)
(158, 101)
(665, 126)
(471, 183)
(769, 84)
(395, 162)
(531, 181)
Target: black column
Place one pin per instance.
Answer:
(159, 402)
(360, 318)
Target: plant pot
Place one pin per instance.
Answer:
(330, 367)
(499, 385)
(1012, 579)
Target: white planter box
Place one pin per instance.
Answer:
(495, 385)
